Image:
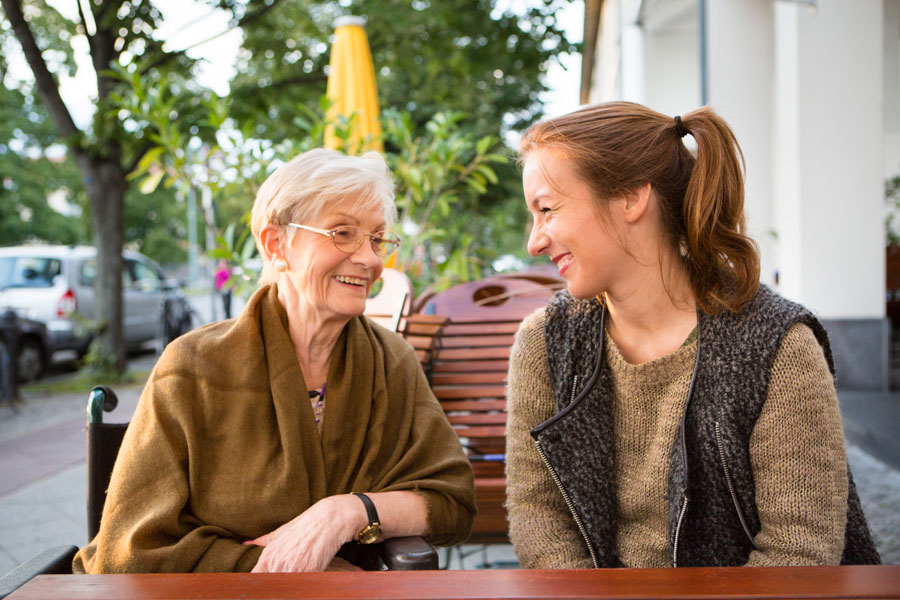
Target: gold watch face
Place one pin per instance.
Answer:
(370, 533)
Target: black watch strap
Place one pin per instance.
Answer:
(370, 508)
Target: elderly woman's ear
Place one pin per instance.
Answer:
(272, 240)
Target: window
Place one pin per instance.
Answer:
(145, 277)
(88, 273)
(28, 271)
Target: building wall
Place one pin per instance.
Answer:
(741, 88)
(828, 192)
(892, 88)
(672, 69)
(813, 95)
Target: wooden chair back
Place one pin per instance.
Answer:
(464, 349)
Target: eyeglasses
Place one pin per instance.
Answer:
(348, 238)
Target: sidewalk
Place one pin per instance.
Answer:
(42, 474)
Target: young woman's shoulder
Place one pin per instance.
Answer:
(530, 336)
(528, 379)
(801, 354)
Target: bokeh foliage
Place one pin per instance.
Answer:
(453, 77)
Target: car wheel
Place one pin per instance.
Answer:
(30, 360)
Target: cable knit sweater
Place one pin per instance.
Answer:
(800, 419)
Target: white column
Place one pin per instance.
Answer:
(606, 79)
(741, 62)
(633, 73)
(892, 88)
(671, 56)
(829, 149)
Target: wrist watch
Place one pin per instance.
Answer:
(370, 532)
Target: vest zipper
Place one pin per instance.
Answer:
(684, 505)
(684, 454)
(569, 504)
(563, 491)
(574, 387)
(737, 507)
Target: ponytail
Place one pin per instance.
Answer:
(617, 147)
(722, 261)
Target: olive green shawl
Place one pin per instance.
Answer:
(224, 447)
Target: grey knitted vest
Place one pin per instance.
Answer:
(712, 515)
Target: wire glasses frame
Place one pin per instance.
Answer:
(348, 238)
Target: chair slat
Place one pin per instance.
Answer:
(453, 329)
(473, 405)
(471, 366)
(470, 392)
(477, 419)
(486, 431)
(472, 353)
(468, 341)
(448, 379)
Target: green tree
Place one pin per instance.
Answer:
(119, 33)
(156, 225)
(102, 151)
(28, 173)
(442, 174)
(430, 56)
(453, 56)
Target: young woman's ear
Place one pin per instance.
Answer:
(636, 203)
(271, 239)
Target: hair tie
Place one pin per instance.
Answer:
(679, 128)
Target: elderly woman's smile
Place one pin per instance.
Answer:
(354, 281)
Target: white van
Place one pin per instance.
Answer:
(55, 285)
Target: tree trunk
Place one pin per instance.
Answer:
(105, 186)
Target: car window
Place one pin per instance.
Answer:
(88, 272)
(28, 271)
(145, 276)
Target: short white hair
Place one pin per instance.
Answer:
(303, 188)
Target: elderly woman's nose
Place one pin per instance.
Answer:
(367, 254)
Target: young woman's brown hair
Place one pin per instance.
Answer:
(617, 147)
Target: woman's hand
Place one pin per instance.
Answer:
(310, 541)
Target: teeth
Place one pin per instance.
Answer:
(565, 260)
(351, 280)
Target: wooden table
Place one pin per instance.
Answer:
(742, 582)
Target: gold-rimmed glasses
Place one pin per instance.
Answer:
(348, 238)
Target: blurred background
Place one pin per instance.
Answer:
(149, 126)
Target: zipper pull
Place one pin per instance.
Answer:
(574, 384)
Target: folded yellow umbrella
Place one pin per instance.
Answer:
(351, 87)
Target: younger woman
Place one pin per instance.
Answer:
(666, 410)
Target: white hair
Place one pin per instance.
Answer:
(306, 186)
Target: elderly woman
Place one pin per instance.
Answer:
(267, 442)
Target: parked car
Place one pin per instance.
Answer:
(55, 285)
(26, 343)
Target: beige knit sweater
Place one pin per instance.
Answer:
(796, 451)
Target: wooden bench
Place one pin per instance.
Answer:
(464, 349)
